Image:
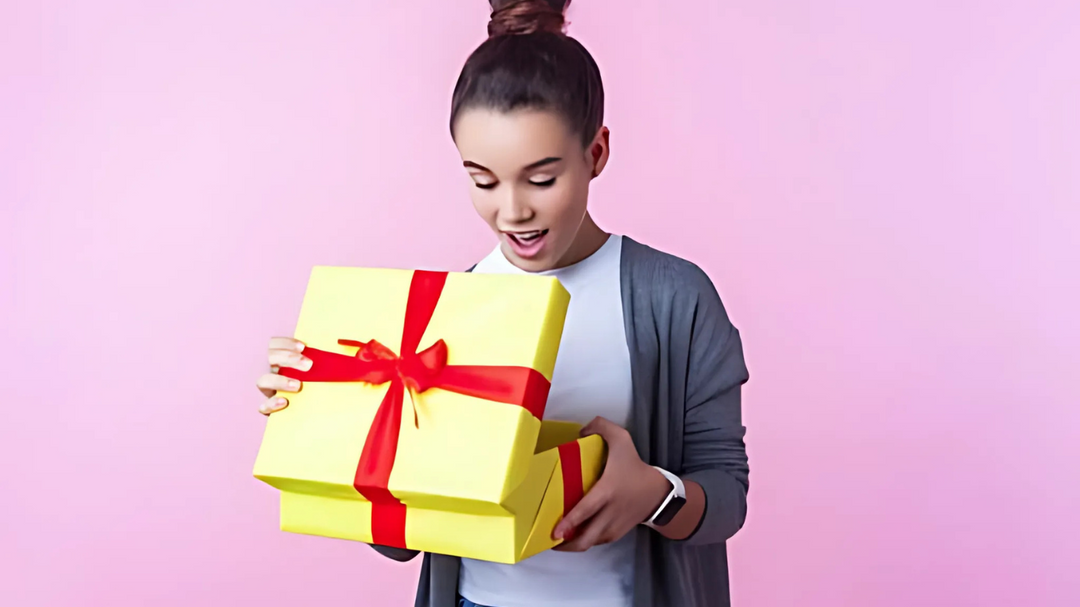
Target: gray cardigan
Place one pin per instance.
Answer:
(687, 366)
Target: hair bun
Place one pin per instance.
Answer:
(521, 17)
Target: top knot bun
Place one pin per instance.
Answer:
(521, 17)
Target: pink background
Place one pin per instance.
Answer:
(887, 194)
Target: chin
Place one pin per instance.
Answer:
(533, 264)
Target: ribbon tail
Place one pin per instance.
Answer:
(412, 400)
(334, 367)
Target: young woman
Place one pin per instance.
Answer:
(649, 359)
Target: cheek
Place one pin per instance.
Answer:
(568, 202)
(484, 205)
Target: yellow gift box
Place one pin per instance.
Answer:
(428, 435)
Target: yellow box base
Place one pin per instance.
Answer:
(522, 530)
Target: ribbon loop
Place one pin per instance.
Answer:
(420, 372)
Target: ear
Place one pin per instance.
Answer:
(599, 150)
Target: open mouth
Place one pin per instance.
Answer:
(526, 244)
(527, 237)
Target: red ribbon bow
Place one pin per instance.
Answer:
(416, 372)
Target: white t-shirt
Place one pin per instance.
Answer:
(591, 378)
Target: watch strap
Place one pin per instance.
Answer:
(677, 494)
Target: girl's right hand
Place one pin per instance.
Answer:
(284, 352)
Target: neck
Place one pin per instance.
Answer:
(589, 239)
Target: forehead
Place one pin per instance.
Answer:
(511, 139)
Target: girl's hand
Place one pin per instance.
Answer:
(627, 494)
(284, 352)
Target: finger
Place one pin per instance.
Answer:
(273, 405)
(607, 429)
(292, 360)
(272, 383)
(286, 343)
(589, 535)
(582, 512)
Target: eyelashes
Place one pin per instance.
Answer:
(539, 184)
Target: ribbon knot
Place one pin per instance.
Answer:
(417, 372)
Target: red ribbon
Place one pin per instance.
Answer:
(376, 364)
(573, 485)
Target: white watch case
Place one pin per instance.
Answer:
(677, 493)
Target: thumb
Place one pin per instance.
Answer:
(606, 428)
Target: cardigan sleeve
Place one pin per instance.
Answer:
(398, 554)
(714, 454)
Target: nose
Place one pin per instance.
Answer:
(514, 207)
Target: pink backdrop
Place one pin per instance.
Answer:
(884, 192)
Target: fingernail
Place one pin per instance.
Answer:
(279, 403)
(299, 347)
(306, 363)
(294, 385)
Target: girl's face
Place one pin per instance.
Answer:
(529, 178)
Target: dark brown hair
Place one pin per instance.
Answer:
(528, 62)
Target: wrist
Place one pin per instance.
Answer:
(671, 501)
(659, 489)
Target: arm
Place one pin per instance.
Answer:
(715, 467)
(708, 353)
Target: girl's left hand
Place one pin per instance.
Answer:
(627, 494)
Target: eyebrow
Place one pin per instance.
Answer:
(533, 166)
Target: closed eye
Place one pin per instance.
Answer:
(544, 184)
(487, 186)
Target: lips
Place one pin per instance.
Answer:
(527, 244)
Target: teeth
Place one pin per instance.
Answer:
(528, 236)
